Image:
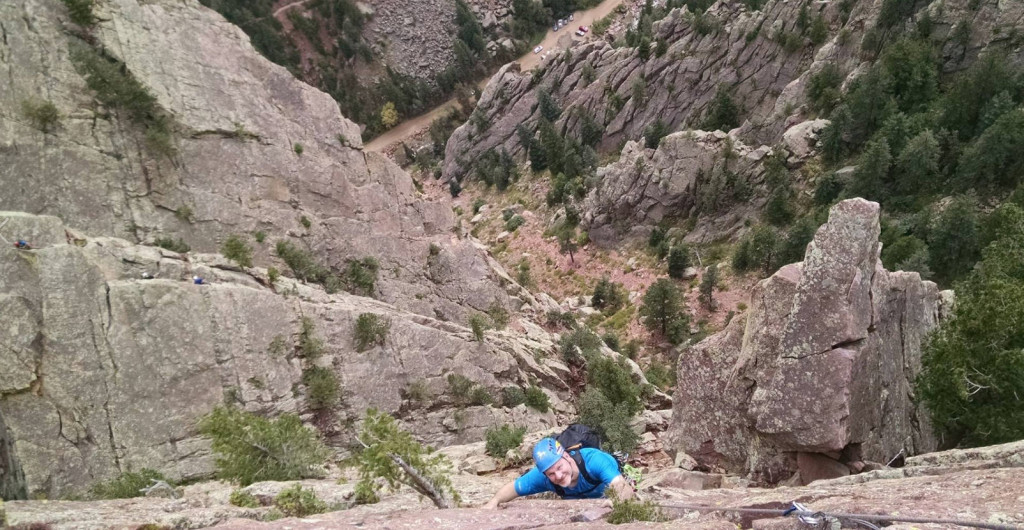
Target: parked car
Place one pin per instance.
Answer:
(538, 49)
(561, 23)
(584, 29)
(580, 33)
(570, 16)
(554, 28)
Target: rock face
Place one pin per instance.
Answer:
(731, 48)
(105, 371)
(823, 362)
(686, 174)
(237, 120)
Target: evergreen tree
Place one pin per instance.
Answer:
(662, 304)
(723, 114)
(678, 260)
(707, 287)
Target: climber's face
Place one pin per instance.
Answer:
(561, 473)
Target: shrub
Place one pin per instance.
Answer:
(365, 494)
(615, 380)
(361, 276)
(953, 240)
(537, 399)
(310, 346)
(185, 213)
(126, 485)
(460, 387)
(80, 12)
(722, 113)
(634, 510)
(578, 344)
(237, 250)
(297, 501)
(514, 222)
(479, 395)
(823, 89)
(758, 250)
(454, 187)
(611, 340)
(370, 329)
(654, 133)
(298, 149)
(43, 114)
(243, 499)
(252, 448)
(501, 440)
(523, 276)
(302, 263)
(385, 445)
(661, 375)
(608, 295)
(322, 388)
(564, 319)
(115, 87)
(707, 287)
(260, 236)
(478, 323)
(173, 245)
(678, 260)
(662, 304)
(273, 275)
(499, 316)
(610, 419)
(512, 396)
(972, 364)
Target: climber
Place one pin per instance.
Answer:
(21, 244)
(583, 473)
(198, 280)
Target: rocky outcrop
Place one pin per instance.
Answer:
(239, 123)
(962, 491)
(823, 362)
(107, 371)
(728, 47)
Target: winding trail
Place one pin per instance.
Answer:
(288, 6)
(553, 41)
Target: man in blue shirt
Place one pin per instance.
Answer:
(558, 470)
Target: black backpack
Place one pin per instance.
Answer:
(576, 437)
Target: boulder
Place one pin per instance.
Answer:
(823, 362)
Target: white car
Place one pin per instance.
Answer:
(580, 33)
(538, 49)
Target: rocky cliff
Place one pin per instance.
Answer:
(105, 370)
(762, 59)
(818, 374)
(255, 151)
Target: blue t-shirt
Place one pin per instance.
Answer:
(600, 465)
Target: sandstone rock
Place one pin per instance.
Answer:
(816, 466)
(822, 361)
(684, 461)
(801, 139)
(689, 273)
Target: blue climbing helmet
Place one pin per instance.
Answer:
(546, 453)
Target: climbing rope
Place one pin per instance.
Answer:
(832, 520)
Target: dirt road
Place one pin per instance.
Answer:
(553, 42)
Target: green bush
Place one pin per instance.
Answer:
(243, 499)
(512, 396)
(370, 329)
(237, 250)
(298, 150)
(460, 387)
(654, 133)
(678, 260)
(296, 501)
(365, 493)
(501, 440)
(173, 245)
(612, 341)
(537, 399)
(479, 395)
(610, 419)
(635, 510)
(953, 240)
(384, 443)
(273, 275)
(252, 448)
(260, 236)
(971, 378)
(478, 323)
(758, 250)
(361, 276)
(615, 381)
(115, 87)
(126, 485)
(579, 344)
(661, 375)
(608, 296)
(707, 287)
(499, 316)
(322, 388)
(310, 346)
(81, 12)
(43, 114)
(514, 222)
(722, 114)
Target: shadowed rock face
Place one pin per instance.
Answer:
(823, 361)
(237, 119)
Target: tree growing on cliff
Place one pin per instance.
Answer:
(390, 453)
(662, 305)
(251, 448)
(972, 378)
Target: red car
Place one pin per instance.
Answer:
(584, 29)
